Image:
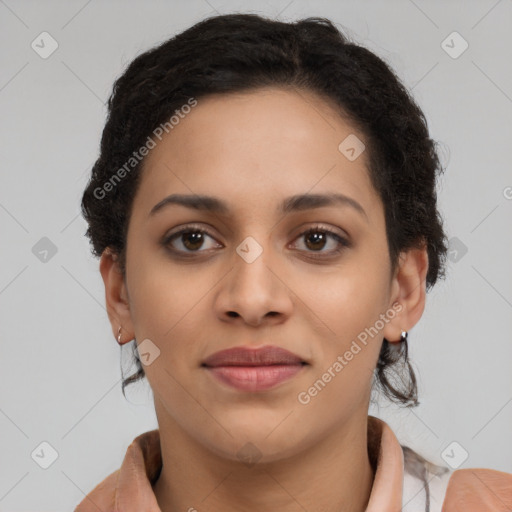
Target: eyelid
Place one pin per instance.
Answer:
(308, 226)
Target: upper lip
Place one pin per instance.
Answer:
(247, 356)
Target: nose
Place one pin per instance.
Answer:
(254, 292)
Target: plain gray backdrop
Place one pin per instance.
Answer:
(60, 380)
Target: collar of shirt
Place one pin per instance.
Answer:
(130, 488)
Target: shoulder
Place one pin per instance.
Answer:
(433, 488)
(475, 489)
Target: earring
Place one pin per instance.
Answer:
(403, 336)
(119, 337)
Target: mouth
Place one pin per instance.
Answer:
(246, 356)
(249, 369)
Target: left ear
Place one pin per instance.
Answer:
(408, 288)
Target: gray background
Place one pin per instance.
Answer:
(60, 379)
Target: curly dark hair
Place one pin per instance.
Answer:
(243, 52)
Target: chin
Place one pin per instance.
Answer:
(259, 440)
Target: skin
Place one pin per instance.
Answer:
(253, 150)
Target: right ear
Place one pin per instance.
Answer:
(116, 296)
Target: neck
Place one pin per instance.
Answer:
(333, 475)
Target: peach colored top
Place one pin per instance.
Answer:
(403, 481)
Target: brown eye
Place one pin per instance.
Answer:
(189, 239)
(317, 238)
(192, 240)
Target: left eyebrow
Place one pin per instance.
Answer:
(294, 203)
(309, 201)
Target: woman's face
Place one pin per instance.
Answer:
(253, 278)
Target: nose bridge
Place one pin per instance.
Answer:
(251, 266)
(253, 288)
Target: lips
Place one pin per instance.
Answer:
(243, 356)
(253, 370)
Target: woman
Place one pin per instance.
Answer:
(264, 207)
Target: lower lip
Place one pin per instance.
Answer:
(255, 378)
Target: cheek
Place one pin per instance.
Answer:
(347, 348)
(162, 296)
(344, 307)
(349, 298)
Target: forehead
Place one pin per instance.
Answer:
(267, 143)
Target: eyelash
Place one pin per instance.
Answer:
(343, 242)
